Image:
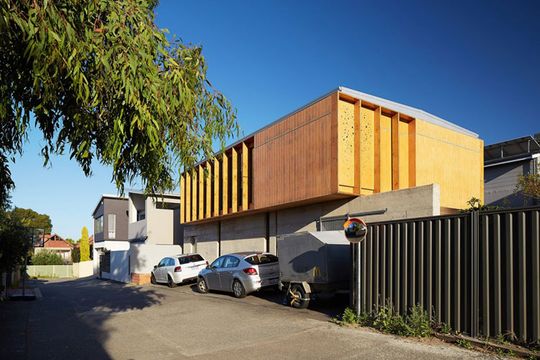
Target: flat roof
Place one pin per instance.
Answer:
(107, 196)
(513, 148)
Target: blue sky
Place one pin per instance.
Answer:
(474, 63)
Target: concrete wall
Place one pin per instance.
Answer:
(143, 257)
(251, 232)
(83, 269)
(204, 239)
(160, 223)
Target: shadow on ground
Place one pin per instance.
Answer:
(331, 306)
(68, 322)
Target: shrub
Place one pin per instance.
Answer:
(418, 321)
(47, 258)
(75, 255)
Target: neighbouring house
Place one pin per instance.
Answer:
(56, 244)
(111, 237)
(131, 234)
(504, 162)
(154, 231)
(346, 152)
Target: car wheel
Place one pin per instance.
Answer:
(296, 297)
(238, 289)
(170, 281)
(201, 286)
(153, 279)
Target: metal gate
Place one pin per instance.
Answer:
(477, 272)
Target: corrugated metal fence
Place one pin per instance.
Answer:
(479, 273)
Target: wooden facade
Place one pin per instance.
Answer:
(336, 147)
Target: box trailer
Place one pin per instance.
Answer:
(313, 263)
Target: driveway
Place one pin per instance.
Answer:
(93, 319)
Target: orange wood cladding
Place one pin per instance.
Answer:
(293, 158)
(337, 146)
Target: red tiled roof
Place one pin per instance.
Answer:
(57, 244)
(54, 241)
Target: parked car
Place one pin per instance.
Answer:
(240, 273)
(174, 270)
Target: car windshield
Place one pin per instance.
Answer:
(261, 259)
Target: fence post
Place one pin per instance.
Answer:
(475, 266)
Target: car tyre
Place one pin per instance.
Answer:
(202, 287)
(170, 282)
(296, 297)
(153, 279)
(238, 289)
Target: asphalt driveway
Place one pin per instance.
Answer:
(93, 319)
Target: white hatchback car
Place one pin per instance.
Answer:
(174, 270)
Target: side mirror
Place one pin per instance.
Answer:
(155, 267)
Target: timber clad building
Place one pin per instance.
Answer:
(346, 152)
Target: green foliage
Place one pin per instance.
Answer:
(15, 242)
(32, 219)
(476, 205)
(47, 258)
(464, 343)
(75, 255)
(529, 185)
(386, 319)
(84, 245)
(419, 322)
(105, 84)
(349, 317)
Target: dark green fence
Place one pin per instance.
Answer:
(479, 273)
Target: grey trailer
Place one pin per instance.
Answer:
(313, 263)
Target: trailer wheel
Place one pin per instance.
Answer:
(297, 297)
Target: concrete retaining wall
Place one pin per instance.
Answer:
(143, 257)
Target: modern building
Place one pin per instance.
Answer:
(504, 162)
(346, 152)
(133, 233)
(154, 232)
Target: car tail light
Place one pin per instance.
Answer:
(250, 271)
(178, 269)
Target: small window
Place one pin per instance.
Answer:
(112, 226)
(163, 262)
(98, 225)
(183, 260)
(141, 215)
(262, 259)
(195, 258)
(231, 262)
(167, 205)
(218, 262)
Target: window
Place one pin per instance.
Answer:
(112, 226)
(190, 259)
(167, 205)
(218, 263)
(170, 262)
(98, 225)
(261, 259)
(231, 262)
(140, 215)
(162, 262)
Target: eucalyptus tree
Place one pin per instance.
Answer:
(101, 82)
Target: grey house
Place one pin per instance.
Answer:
(111, 219)
(504, 162)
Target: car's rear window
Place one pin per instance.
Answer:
(190, 258)
(261, 259)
